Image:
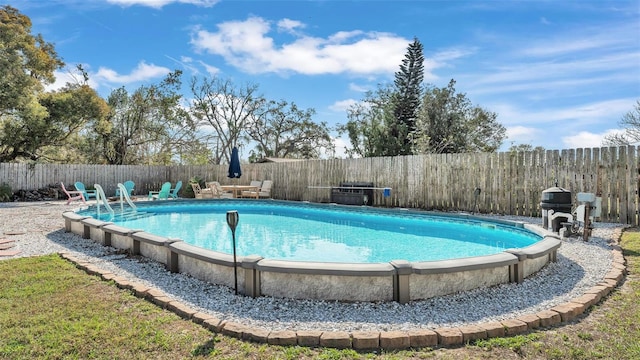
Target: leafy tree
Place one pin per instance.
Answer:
(226, 109)
(26, 63)
(448, 123)
(525, 147)
(483, 132)
(285, 131)
(51, 136)
(73, 112)
(384, 123)
(406, 100)
(147, 126)
(36, 125)
(630, 122)
(368, 124)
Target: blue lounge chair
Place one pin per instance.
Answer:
(86, 193)
(129, 185)
(173, 193)
(163, 194)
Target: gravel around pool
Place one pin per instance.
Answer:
(38, 229)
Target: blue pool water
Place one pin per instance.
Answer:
(312, 232)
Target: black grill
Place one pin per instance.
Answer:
(353, 193)
(558, 200)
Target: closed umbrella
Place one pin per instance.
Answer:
(234, 164)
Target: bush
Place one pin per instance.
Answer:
(6, 194)
(187, 191)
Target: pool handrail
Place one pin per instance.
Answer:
(102, 199)
(124, 195)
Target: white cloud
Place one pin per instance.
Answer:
(189, 64)
(551, 137)
(557, 76)
(358, 88)
(290, 26)
(594, 38)
(72, 76)
(142, 72)
(233, 37)
(522, 135)
(583, 62)
(210, 69)
(453, 53)
(341, 145)
(185, 62)
(248, 46)
(342, 105)
(62, 78)
(157, 4)
(608, 112)
(586, 139)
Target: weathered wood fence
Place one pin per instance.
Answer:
(511, 183)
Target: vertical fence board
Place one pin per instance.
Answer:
(604, 179)
(635, 184)
(614, 192)
(623, 184)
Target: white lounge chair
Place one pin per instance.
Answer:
(201, 193)
(218, 191)
(264, 192)
(250, 193)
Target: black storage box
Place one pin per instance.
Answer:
(353, 193)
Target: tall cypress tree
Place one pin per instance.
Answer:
(408, 83)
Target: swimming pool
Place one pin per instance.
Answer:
(309, 232)
(513, 250)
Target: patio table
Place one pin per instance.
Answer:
(238, 189)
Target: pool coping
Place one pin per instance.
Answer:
(372, 340)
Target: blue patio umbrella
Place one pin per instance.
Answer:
(234, 164)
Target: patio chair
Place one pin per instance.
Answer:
(265, 189)
(163, 194)
(72, 195)
(251, 193)
(129, 185)
(173, 193)
(264, 192)
(218, 191)
(86, 193)
(201, 193)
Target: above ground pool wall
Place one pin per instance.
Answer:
(397, 280)
(435, 278)
(326, 281)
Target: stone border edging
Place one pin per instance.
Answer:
(387, 340)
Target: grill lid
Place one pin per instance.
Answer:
(556, 195)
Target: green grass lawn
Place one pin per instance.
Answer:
(51, 310)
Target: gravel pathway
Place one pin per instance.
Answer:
(38, 229)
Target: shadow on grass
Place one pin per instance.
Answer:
(205, 349)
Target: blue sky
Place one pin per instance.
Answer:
(559, 74)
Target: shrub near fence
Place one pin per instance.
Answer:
(511, 183)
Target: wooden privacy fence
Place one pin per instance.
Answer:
(510, 183)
